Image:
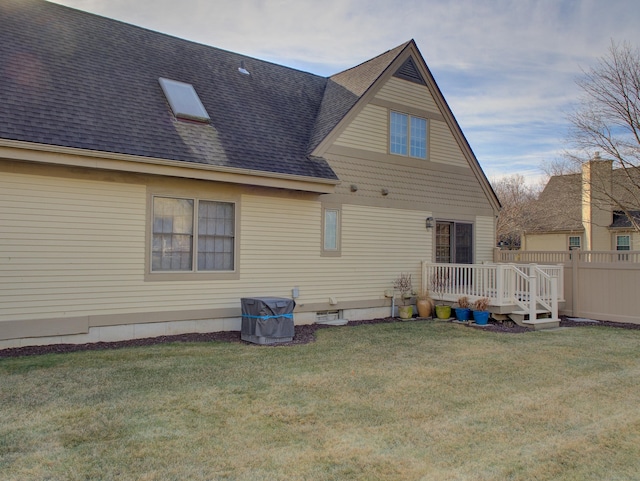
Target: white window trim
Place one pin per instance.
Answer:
(579, 246)
(628, 246)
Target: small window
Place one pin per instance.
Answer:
(574, 242)
(623, 243)
(331, 231)
(408, 134)
(184, 100)
(178, 238)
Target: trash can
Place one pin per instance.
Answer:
(267, 320)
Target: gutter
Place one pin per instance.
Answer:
(93, 159)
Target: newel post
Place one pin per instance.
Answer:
(500, 278)
(533, 294)
(554, 298)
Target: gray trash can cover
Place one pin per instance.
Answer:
(268, 316)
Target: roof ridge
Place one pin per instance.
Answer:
(344, 89)
(399, 48)
(174, 37)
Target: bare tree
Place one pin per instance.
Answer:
(607, 123)
(516, 198)
(558, 166)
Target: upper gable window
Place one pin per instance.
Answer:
(184, 100)
(408, 135)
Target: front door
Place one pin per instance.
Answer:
(454, 242)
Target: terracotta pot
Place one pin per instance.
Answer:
(425, 307)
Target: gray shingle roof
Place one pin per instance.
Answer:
(559, 206)
(74, 79)
(344, 89)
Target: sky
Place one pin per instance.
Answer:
(507, 68)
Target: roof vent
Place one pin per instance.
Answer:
(184, 100)
(242, 69)
(409, 71)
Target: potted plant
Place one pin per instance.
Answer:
(463, 311)
(403, 284)
(425, 304)
(439, 282)
(480, 311)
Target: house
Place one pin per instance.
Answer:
(592, 210)
(148, 183)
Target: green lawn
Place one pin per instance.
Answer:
(417, 400)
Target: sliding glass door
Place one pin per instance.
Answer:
(454, 242)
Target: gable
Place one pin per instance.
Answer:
(368, 131)
(408, 94)
(449, 179)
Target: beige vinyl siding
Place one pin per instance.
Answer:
(485, 239)
(281, 251)
(413, 182)
(68, 246)
(74, 247)
(377, 245)
(443, 146)
(547, 242)
(407, 93)
(368, 131)
(280, 239)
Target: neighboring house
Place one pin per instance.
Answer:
(590, 211)
(147, 183)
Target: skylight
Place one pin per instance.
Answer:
(184, 100)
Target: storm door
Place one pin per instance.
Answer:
(454, 242)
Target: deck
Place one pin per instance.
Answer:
(527, 294)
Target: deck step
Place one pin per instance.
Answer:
(542, 321)
(540, 324)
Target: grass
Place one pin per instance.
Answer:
(410, 401)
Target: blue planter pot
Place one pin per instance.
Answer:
(463, 313)
(481, 317)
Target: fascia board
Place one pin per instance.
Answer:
(71, 157)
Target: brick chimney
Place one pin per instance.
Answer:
(597, 208)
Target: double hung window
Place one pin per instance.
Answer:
(192, 235)
(574, 242)
(623, 242)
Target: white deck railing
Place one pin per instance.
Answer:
(527, 286)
